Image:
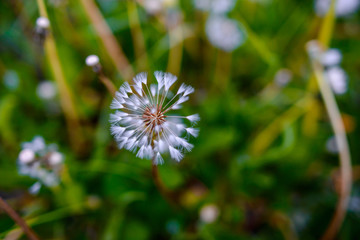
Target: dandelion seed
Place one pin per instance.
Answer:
(142, 122)
(40, 161)
(224, 33)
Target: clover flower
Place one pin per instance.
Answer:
(224, 33)
(40, 161)
(142, 122)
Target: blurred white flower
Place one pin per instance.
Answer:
(337, 79)
(224, 33)
(40, 161)
(142, 123)
(342, 7)
(209, 213)
(215, 6)
(283, 77)
(331, 57)
(46, 90)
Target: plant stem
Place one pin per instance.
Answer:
(160, 184)
(344, 152)
(11, 212)
(176, 44)
(137, 36)
(108, 39)
(66, 96)
(108, 83)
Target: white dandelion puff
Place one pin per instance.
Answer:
(141, 122)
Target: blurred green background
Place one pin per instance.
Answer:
(261, 160)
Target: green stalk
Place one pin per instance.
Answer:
(66, 96)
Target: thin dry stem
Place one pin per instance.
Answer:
(344, 153)
(108, 39)
(19, 221)
(108, 84)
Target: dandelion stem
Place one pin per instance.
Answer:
(344, 152)
(108, 39)
(21, 222)
(160, 184)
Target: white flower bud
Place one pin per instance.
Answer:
(92, 60)
(43, 22)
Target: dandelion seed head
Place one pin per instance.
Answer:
(142, 122)
(224, 33)
(92, 60)
(42, 22)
